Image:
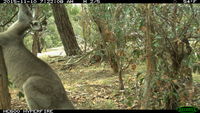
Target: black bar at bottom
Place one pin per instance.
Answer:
(87, 111)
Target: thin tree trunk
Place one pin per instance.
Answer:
(36, 43)
(150, 60)
(172, 97)
(65, 29)
(84, 37)
(5, 99)
(84, 29)
(36, 36)
(121, 83)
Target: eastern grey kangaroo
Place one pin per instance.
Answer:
(42, 87)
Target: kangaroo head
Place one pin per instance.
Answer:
(26, 15)
(25, 21)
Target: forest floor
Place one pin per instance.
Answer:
(96, 87)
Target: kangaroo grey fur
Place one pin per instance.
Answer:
(42, 87)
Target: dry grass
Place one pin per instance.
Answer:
(96, 87)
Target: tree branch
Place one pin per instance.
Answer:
(187, 25)
(3, 25)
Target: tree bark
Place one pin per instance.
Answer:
(36, 43)
(150, 60)
(65, 29)
(121, 83)
(5, 99)
(36, 36)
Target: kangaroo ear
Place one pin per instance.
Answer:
(25, 13)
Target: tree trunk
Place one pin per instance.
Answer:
(121, 83)
(83, 25)
(172, 97)
(65, 29)
(183, 75)
(36, 36)
(150, 60)
(5, 99)
(36, 43)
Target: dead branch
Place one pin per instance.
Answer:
(80, 59)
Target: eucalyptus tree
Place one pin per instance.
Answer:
(115, 23)
(174, 26)
(65, 29)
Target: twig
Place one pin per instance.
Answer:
(77, 61)
(164, 18)
(187, 25)
(3, 25)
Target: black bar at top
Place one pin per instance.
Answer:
(100, 1)
(141, 1)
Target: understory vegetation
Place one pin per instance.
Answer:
(117, 56)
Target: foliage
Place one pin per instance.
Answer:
(8, 12)
(172, 24)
